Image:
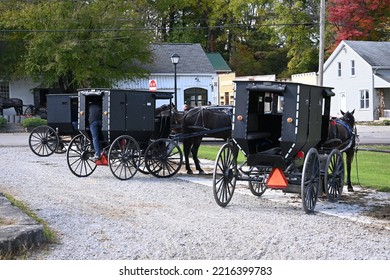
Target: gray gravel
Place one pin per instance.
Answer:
(100, 217)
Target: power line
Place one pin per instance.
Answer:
(106, 30)
(77, 30)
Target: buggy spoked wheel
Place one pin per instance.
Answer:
(163, 158)
(310, 185)
(225, 175)
(334, 175)
(80, 156)
(43, 141)
(124, 157)
(29, 110)
(142, 167)
(259, 186)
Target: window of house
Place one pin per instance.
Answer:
(4, 89)
(338, 69)
(364, 99)
(352, 67)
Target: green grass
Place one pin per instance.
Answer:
(369, 169)
(49, 234)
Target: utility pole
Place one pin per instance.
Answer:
(321, 44)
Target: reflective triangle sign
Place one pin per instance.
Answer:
(277, 180)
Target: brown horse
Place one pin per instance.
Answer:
(341, 135)
(16, 103)
(200, 122)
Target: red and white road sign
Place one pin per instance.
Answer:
(152, 85)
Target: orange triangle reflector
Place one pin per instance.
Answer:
(276, 179)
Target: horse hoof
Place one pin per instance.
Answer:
(189, 172)
(350, 189)
(201, 172)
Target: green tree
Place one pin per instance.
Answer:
(297, 28)
(73, 44)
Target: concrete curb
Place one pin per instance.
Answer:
(18, 231)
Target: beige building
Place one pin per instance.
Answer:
(305, 78)
(226, 88)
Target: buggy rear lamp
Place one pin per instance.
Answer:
(276, 179)
(239, 118)
(289, 120)
(300, 154)
(105, 113)
(81, 113)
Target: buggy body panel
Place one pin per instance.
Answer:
(62, 113)
(274, 120)
(125, 112)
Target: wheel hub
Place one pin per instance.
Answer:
(228, 175)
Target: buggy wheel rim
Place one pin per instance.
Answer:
(224, 176)
(79, 156)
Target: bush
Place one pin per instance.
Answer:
(33, 122)
(3, 121)
(386, 122)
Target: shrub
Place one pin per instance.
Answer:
(33, 122)
(386, 122)
(3, 121)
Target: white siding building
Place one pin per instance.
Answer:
(359, 72)
(197, 80)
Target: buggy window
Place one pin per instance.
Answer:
(265, 103)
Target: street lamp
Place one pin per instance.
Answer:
(175, 60)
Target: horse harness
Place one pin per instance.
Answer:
(351, 133)
(199, 113)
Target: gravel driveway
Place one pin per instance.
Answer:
(100, 217)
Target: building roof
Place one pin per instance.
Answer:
(193, 59)
(218, 62)
(375, 53)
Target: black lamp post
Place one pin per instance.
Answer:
(175, 60)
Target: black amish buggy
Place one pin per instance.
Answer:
(281, 129)
(133, 135)
(62, 111)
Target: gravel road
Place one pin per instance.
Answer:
(100, 217)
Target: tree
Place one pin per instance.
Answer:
(73, 44)
(297, 28)
(358, 20)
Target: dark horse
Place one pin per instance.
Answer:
(200, 122)
(341, 135)
(176, 116)
(11, 102)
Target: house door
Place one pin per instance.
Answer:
(343, 101)
(195, 97)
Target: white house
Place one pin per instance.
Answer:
(197, 80)
(359, 72)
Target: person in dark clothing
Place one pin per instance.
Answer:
(95, 125)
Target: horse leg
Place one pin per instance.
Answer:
(18, 110)
(194, 151)
(350, 154)
(187, 144)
